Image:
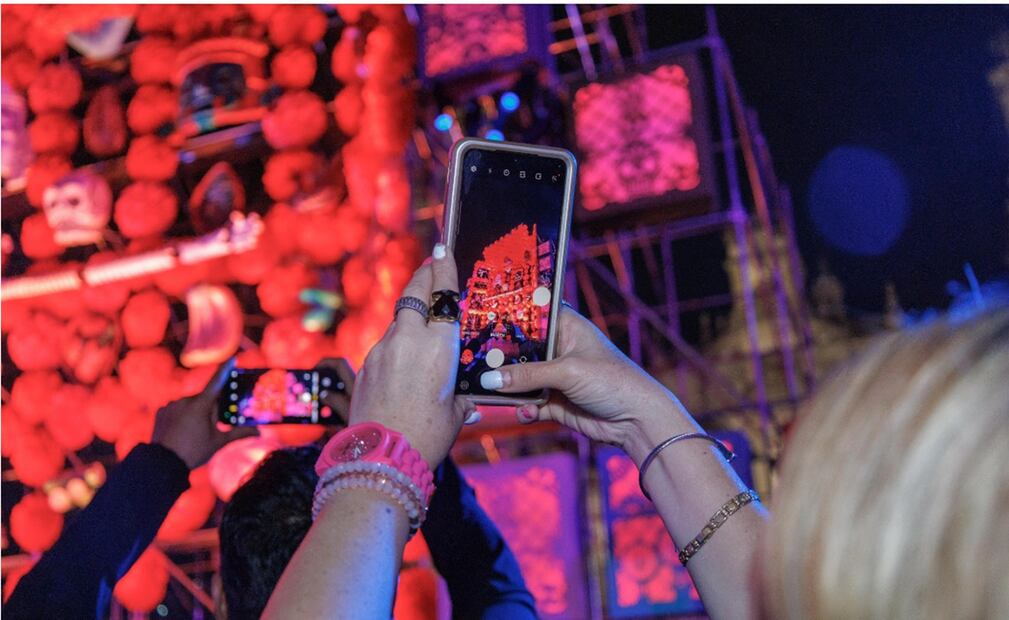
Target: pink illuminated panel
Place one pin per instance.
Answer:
(635, 137)
(459, 36)
(533, 501)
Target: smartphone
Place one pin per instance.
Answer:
(507, 220)
(258, 396)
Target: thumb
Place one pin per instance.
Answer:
(555, 375)
(212, 388)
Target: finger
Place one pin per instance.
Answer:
(419, 287)
(342, 368)
(446, 276)
(339, 403)
(527, 414)
(555, 375)
(472, 418)
(213, 388)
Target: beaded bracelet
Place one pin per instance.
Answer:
(372, 467)
(414, 511)
(728, 509)
(374, 476)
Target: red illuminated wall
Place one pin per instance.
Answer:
(502, 285)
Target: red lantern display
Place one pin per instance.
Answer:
(34, 525)
(145, 319)
(110, 408)
(67, 422)
(107, 298)
(34, 344)
(54, 132)
(11, 429)
(278, 292)
(280, 221)
(43, 172)
(153, 60)
(91, 345)
(286, 344)
(300, 23)
(146, 209)
(152, 107)
(150, 158)
(37, 238)
(191, 510)
(357, 333)
(357, 280)
(145, 584)
(348, 109)
(250, 267)
(320, 237)
(30, 394)
(296, 121)
(37, 458)
(293, 67)
(19, 67)
(148, 374)
(56, 88)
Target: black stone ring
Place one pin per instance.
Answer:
(412, 303)
(445, 307)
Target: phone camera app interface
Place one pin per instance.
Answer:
(276, 396)
(509, 223)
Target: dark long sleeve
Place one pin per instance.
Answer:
(483, 578)
(75, 578)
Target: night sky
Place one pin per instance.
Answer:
(908, 82)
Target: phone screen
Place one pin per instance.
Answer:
(510, 212)
(252, 397)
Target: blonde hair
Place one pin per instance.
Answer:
(893, 499)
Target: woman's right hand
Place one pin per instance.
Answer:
(597, 391)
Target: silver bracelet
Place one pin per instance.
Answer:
(665, 444)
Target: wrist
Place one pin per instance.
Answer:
(655, 426)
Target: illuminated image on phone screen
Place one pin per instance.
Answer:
(510, 210)
(277, 396)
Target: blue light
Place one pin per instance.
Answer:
(509, 102)
(494, 134)
(443, 122)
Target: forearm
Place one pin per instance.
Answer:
(75, 578)
(348, 563)
(689, 481)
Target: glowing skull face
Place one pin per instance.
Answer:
(78, 208)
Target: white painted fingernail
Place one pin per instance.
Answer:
(491, 380)
(473, 418)
(439, 251)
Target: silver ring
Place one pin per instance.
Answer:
(412, 303)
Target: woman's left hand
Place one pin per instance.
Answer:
(407, 382)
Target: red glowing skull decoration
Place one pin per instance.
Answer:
(78, 207)
(90, 347)
(215, 325)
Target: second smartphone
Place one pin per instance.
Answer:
(508, 221)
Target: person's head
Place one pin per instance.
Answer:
(893, 500)
(263, 524)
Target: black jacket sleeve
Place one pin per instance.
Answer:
(75, 578)
(484, 580)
